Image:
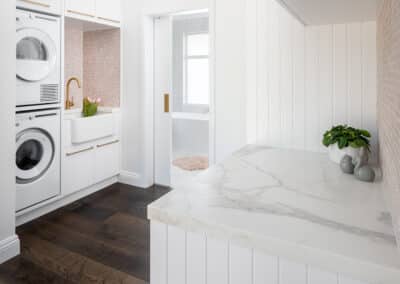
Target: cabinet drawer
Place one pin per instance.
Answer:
(107, 160)
(47, 6)
(77, 169)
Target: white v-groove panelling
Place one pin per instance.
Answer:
(180, 257)
(301, 80)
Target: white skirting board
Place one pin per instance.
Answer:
(9, 248)
(180, 257)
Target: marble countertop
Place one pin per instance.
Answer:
(291, 204)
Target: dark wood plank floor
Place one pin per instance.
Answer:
(104, 238)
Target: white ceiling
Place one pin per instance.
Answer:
(320, 12)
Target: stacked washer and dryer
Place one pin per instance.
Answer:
(38, 114)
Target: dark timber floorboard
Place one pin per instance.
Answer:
(103, 238)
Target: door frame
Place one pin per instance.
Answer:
(149, 88)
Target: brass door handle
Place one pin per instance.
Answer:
(166, 103)
(36, 3)
(79, 152)
(107, 144)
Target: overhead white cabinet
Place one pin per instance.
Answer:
(86, 8)
(109, 10)
(47, 6)
(106, 12)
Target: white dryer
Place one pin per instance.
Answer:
(38, 55)
(37, 157)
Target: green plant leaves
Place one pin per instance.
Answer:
(346, 136)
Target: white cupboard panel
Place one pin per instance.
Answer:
(217, 262)
(316, 276)
(345, 280)
(109, 10)
(158, 253)
(265, 269)
(176, 272)
(240, 265)
(77, 169)
(48, 6)
(107, 160)
(196, 258)
(178, 257)
(290, 272)
(82, 8)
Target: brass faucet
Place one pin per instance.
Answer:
(69, 102)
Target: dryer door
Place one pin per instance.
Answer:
(35, 153)
(36, 54)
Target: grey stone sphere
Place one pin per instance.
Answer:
(365, 173)
(346, 164)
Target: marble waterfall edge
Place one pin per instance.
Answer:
(292, 204)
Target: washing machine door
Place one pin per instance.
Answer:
(34, 155)
(36, 54)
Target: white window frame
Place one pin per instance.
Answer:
(186, 58)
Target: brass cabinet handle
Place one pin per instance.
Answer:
(81, 13)
(36, 3)
(109, 20)
(107, 144)
(166, 103)
(79, 152)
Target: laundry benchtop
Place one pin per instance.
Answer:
(292, 204)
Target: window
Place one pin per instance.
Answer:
(196, 66)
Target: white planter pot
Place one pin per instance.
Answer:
(336, 154)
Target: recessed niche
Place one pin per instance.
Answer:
(92, 53)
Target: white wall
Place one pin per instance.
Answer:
(9, 245)
(190, 137)
(228, 17)
(302, 80)
(230, 72)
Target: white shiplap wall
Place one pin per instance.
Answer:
(181, 257)
(301, 80)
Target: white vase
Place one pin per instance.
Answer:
(336, 155)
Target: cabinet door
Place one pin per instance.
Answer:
(107, 161)
(109, 10)
(77, 170)
(48, 6)
(85, 8)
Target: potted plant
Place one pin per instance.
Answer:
(345, 140)
(90, 106)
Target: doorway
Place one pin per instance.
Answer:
(182, 97)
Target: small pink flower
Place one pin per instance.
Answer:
(98, 100)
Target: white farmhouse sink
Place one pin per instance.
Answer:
(84, 129)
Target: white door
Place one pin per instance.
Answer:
(162, 100)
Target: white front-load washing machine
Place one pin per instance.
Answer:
(38, 56)
(37, 159)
